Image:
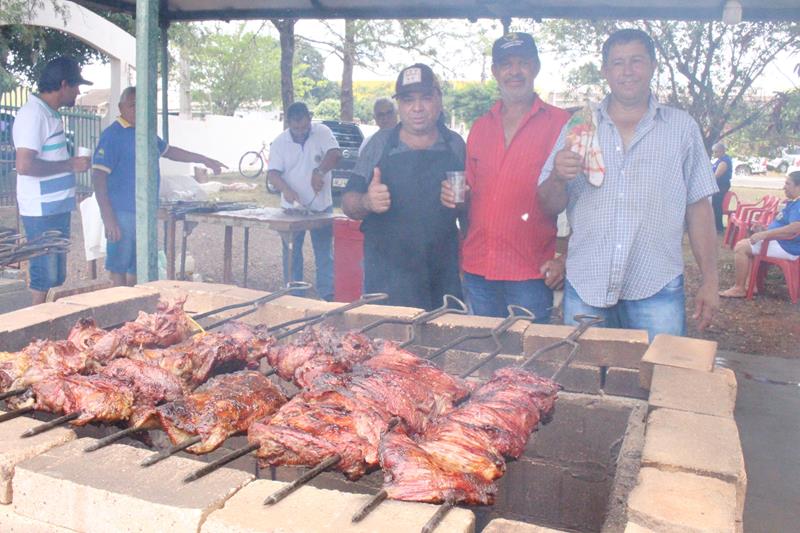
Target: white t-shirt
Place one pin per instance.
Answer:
(39, 127)
(296, 162)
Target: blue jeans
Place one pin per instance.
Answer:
(491, 297)
(50, 270)
(322, 242)
(121, 255)
(664, 312)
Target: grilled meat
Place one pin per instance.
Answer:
(225, 405)
(346, 414)
(167, 326)
(462, 453)
(96, 398)
(193, 361)
(318, 351)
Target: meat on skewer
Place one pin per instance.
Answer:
(318, 351)
(346, 414)
(225, 405)
(96, 398)
(461, 454)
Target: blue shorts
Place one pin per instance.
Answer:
(663, 312)
(121, 255)
(50, 270)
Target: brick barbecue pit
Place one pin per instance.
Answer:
(642, 439)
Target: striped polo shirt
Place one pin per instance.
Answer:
(39, 127)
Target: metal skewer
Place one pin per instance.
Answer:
(439, 515)
(16, 413)
(368, 507)
(222, 461)
(283, 492)
(110, 439)
(294, 285)
(584, 323)
(12, 392)
(47, 426)
(160, 456)
(450, 304)
(316, 319)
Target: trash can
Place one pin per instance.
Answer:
(348, 259)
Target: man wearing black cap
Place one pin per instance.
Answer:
(508, 253)
(45, 169)
(300, 163)
(410, 238)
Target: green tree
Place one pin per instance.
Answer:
(706, 68)
(327, 110)
(469, 100)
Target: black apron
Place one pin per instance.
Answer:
(411, 250)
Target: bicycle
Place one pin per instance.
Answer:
(251, 164)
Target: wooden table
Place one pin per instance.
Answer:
(287, 226)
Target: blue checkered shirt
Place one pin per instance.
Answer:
(627, 234)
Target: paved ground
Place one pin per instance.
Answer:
(768, 416)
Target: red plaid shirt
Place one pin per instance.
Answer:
(509, 238)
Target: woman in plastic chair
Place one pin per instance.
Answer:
(783, 235)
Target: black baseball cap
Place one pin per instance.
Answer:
(514, 44)
(60, 69)
(418, 77)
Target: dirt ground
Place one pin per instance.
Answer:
(766, 325)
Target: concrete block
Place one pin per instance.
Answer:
(11, 285)
(681, 352)
(501, 525)
(447, 328)
(318, 510)
(702, 392)
(110, 491)
(43, 321)
(363, 316)
(673, 502)
(14, 294)
(11, 522)
(200, 297)
(599, 346)
(624, 382)
(636, 528)
(115, 305)
(14, 450)
(698, 444)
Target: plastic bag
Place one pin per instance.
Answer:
(94, 232)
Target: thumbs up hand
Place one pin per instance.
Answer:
(377, 199)
(567, 164)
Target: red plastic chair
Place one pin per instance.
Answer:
(761, 263)
(727, 200)
(740, 223)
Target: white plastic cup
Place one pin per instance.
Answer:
(84, 152)
(458, 183)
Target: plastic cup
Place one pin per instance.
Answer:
(84, 152)
(458, 183)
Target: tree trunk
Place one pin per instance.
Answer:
(348, 58)
(285, 29)
(184, 85)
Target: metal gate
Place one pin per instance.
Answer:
(81, 129)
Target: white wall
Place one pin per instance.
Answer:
(219, 137)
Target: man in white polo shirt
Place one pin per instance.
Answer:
(300, 163)
(45, 170)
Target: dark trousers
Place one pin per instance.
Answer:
(716, 203)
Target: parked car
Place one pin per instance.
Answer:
(789, 157)
(749, 165)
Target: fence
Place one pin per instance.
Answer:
(81, 129)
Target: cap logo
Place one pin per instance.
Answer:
(412, 75)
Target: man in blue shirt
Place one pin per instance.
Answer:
(723, 172)
(783, 234)
(114, 178)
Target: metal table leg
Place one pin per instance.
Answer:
(227, 270)
(246, 252)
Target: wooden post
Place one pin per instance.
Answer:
(147, 12)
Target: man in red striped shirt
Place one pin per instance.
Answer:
(509, 252)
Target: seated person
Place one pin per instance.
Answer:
(784, 232)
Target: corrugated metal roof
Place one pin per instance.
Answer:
(576, 9)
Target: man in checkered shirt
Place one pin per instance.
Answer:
(625, 259)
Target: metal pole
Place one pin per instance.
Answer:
(165, 82)
(146, 148)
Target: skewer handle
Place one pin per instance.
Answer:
(47, 426)
(370, 506)
(109, 439)
(438, 516)
(222, 461)
(283, 492)
(160, 456)
(12, 392)
(14, 414)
